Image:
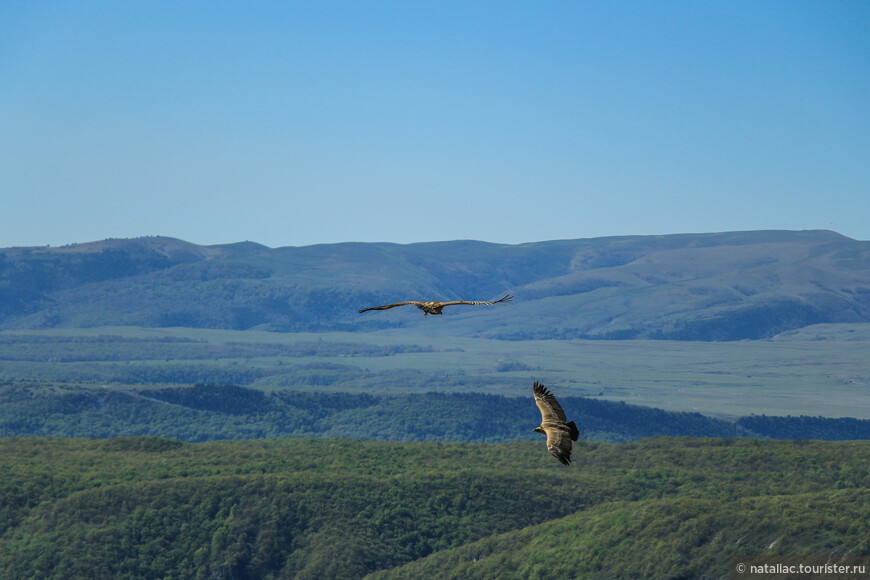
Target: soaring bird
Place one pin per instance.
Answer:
(435, 307)
(553, 424)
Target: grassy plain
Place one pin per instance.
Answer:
(819, 371)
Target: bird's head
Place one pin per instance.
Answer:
(539, 430)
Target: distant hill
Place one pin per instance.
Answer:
(210, 412)
(725, 286)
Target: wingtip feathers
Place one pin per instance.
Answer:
(563, 456)
(540, 389)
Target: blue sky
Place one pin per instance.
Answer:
(291, 123)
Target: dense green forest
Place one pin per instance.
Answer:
(205, 412)
(338, 508)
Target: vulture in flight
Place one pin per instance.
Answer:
(553, 424)
(435, 307)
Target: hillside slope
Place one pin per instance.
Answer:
(727, 286)
(149, 508)
(690, 538)
(209, 412)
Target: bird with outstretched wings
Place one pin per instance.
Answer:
(554, 425)
(435, 307)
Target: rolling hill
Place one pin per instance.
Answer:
(725, 286)
(333, 508)
(213, 412)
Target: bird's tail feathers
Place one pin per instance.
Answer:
(575, 432)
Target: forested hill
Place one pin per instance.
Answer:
(725, 286)
(333, 508)
(210, 412)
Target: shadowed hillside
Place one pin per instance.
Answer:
(725, 286)
(210, 412)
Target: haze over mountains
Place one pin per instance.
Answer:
(724, 286)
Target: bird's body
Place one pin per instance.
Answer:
(554, 424)
(433, 307)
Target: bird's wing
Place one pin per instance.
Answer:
(551, 410)
(387, 306)
(559, 444)
(505, 298)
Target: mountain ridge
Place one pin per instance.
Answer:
(717, 286)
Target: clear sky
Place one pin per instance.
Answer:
(295, 123)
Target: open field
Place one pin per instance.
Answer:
(820, 370)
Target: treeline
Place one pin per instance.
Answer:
(204, 412)
(60, 349)
(333, 508)
(804, 427)
(249, 372)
